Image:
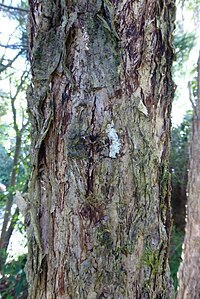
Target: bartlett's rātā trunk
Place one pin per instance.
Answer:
(99, 104)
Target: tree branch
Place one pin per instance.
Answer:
(190, 94)
(9, 202)
(18, 142)
(8, 7)
(4, 67)
(14, 47)
(11, 228)
(191, 97)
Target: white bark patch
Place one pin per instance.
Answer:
(86, 39)
(115, 144)
(21, 202)
(142, 108)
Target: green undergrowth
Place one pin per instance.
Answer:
(177, 237)
(13, 284)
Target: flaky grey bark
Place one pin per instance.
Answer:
(100, 103)
(189, 272)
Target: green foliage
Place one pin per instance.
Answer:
(3, 105)
(5, 165)
(178, 165)
(192, 4)
(179, 154)
(185, 35)
(183, 42)
(175, 254)
(193, 87)
(18, 15)
(23, 168)
(13, 284)
(179, 159)
(13, 70)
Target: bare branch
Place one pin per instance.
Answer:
(14, 47)
(190, 96)
(4, 67)
(11, 228)
(8, 7)
(13, 98)
(24, 126)
(23, 78)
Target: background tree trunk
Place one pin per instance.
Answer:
(189, 271)
(10, 219)
(100, 103)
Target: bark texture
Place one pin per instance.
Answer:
(189, 271)
(100, 103)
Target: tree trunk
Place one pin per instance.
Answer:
(100, 103)
(9, 219)
(189, 271)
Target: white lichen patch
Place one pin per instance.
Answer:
(115, 144)
(138, 103)
(142, 108)
(85, 39)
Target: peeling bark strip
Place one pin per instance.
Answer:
(100, 103)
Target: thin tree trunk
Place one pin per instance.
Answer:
(189, 272)
(7, 227)
(9, 220)
(9, 202)
(100, 103)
